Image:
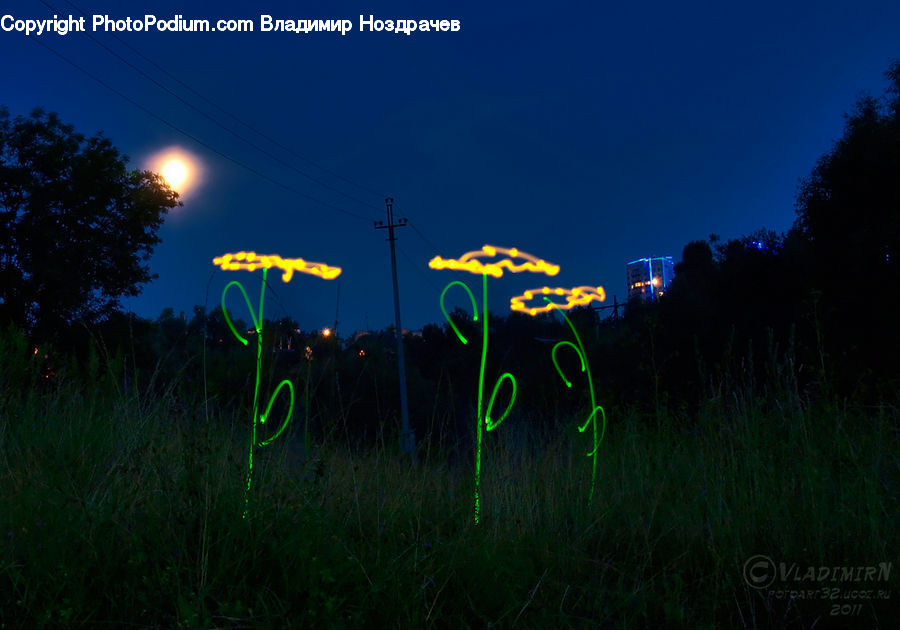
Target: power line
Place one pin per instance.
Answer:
(418, 268)
(434, 248)
(237, 119)
(198, 140)
(208, 116)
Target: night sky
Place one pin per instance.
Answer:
(587, 135)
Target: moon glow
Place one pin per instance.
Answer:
(175, 173)
(181, 170)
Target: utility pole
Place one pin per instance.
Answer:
(615, 315)
(337, 310)
(407, 436)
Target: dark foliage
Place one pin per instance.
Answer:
(812, 311)
(848, 211)
(76, 225)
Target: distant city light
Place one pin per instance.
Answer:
(326, 332)
(648, 278)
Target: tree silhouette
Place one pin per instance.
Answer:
(76, 225)
(848, 209)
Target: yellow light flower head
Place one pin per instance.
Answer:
(576, 296)
(470, 261)
(251, 262)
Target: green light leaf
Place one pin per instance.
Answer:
(447, 316)
(556, 363)
(491, 425)
(256, 323)
(287, 417)
(587, 422)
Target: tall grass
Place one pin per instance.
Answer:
(119, 510)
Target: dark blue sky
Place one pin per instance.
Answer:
(586, 135)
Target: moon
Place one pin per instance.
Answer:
(175, 172)
(180, 169)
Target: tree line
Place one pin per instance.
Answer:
(813, 310)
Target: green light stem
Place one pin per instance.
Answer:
(259, 340)
(257, 324)
(482, 415)
(478, 416)
(595, 408)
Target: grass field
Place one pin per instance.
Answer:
(119, 510)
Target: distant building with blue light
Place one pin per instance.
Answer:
(649, 278)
